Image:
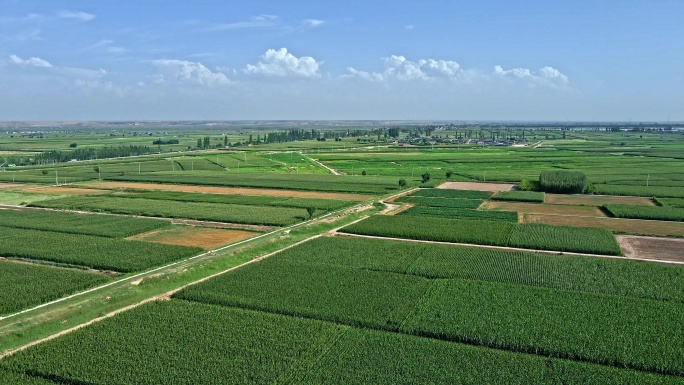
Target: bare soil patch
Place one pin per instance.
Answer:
(205, 237)
(541, 208)
(66, 190)
(662, 249)
(596, 200)
(10, 185)
(478, 186)
(621, 225)
(229, 190)
(393, 209)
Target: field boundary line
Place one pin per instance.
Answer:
(508, 248)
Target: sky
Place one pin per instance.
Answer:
(327, 60)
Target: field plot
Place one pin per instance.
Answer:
(242, 346)
(671, 202)
(230, 190)
(88, 250)
(643, 191)
(255, 215)
(456, 194)
(477, 186)
(17, 198)
(458, 213)
(596, 200)
(308, 182)
(112, 226)
(494, 233)
(64, 190)
(25, 285)
(519, 196)
(441, 202)
(618, 225)
(664, 249)
(204, 237)
(460, 310)
(536, 208)
(646, 212)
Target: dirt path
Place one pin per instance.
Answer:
(318, 162)
(506, 248)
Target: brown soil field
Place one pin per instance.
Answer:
(476, 186)
(662, 249)
(596, 200)
(228, 190)
(9, 185)
(621, 225)
(205, 237)
(65, 190)
(541, 208)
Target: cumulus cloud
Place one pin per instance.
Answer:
(398, 67)
(81, 16)
(313, 22)
(30, 62)
(280, 63)
(545, 75)
(189, 72)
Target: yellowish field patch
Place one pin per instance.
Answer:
(65, 190)
(228, 190)
(541, 208)
(596, 200)
(205, 237)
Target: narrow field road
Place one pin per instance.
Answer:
(316, 161)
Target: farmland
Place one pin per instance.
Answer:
(646, 212)
(25, 285)
(495, 233)
(520, 196)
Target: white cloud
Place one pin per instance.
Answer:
(189, 72)
(546, 75)
(398, 67)
(30, 62)
(281, 63)
(409, 27)
(313, 23)
(253, 22)
(81, 16)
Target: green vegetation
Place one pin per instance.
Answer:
(441, 202)
(646, 212)
(456, 213)
(671, 202)
(563, 182)
(113, 226)
(87, 250)
(25, 285)
(261, 215)
(519, 196)
(252, 200)
(446, 193)
(644, 191)
(496, 233)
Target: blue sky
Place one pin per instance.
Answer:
(460, 60)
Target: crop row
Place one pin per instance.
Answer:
(456, 213)
(210, 344)
(519, 196)
(533, 236)
(448, 193)
(671, 202)
(257, 215)
(556, 323)
(251, 200)
(24, 285)
(113, 226)
(646, 212)
(644, 191)
(441, 202)
(88, 250)
(592, 275)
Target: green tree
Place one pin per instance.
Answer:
(225, 140)
(402, 182)
(310, 211)
(449, 174)
(199, 143)
(425, 177)
(363, 172)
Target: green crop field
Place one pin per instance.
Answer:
(232, 213)
(495, 233)
(252, 200)
(88, 250)
(441, 202)
(646, 212)
(519, 196)
(671, 202)
(113, 226)
(445, 193)
(25, 285)
(458, 213)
